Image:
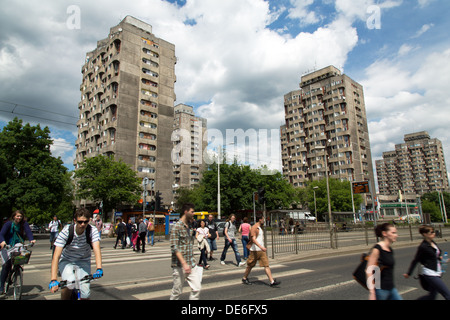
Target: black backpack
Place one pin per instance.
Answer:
(72, 230)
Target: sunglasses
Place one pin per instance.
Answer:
(83, 221)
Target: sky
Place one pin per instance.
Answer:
(236, 61)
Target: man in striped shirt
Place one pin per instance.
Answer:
(183, 262)
(76, 256)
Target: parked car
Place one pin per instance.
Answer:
(36, 229)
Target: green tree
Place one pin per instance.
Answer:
(340, 197)
(432, 208)
(31, 179)
(102, 179)
(431, 202)
(237, 184)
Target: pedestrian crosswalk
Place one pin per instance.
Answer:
(131, 275)
(159, 287)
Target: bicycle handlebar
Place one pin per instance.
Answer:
(65, 283)
(23, 246)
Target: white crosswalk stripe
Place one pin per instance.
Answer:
(221, 284)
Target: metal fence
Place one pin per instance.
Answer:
(319, 236)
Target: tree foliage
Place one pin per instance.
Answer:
(340, 197)
(432, 205)
(31, 179)
(102, 179)
(237, 184)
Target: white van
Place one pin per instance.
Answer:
(302, 216)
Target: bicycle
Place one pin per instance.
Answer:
(19, 255)
(76, 291)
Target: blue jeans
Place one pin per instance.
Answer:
(436, 286)
(233, 244)
(388, 294)
(151, 234)
(244, 244)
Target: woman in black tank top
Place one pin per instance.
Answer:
(381, 265)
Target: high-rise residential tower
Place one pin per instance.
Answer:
(415, 167)
(127, 102)
(326, 117)
(189, 146)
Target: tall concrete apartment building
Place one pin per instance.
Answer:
(127, 102)
(188, 170)
(415, 167)
(326, 117)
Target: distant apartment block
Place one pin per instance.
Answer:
(127, 102)
(326, 130)
(188, 169)
(416, 166)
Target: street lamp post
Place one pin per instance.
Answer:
(330, 218)
(315, 205)
(218, 179)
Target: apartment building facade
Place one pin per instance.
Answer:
(415, 167)
(189, 145)
(326, 131)
(127, 102)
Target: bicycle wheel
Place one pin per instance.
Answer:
(17, 283)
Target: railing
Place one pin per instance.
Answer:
(319, 236)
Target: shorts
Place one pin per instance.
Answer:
(66, 269)
(255, 256)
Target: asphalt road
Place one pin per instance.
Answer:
(313, 275)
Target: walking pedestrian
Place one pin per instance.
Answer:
(230, 240)
(142, 230)
(183, 262)
(54, 226)
(258, 253)
(202, 234)
(381, 260)
(129, 232)
(213, 236)
(121, 233)
(99, 224)
(429, 255)
(151, 232)
(244, 230)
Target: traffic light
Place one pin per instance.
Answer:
(152, 205)
(261, 195)
(158, 199)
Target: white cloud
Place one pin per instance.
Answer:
(354, 10)
(422, 30)
(300, 11)
(230, 64)
(401, 99)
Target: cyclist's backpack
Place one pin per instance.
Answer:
(72, 230)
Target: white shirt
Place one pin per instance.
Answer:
(78, 249)
(53, 225)
(259, 239)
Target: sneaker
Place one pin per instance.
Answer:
(245, 281)
(275, 283)
(222, 262)
(242, 263)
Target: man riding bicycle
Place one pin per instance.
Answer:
(13, 232)
(73, 252)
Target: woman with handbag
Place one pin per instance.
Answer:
(381, 260)
(429, 255)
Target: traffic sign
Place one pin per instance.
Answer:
(360, 187)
